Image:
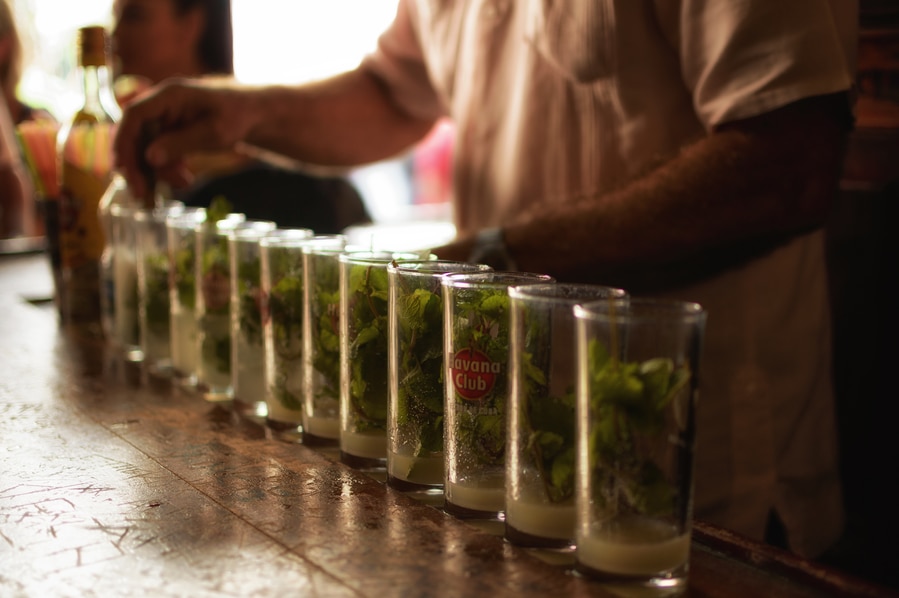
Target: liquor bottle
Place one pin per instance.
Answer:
(85, 154)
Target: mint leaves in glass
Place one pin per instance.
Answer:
(363, 356)
(247, 351)
(153, 286)
(213, 306)
(638, 367)
(181, 241)
(476, 352)
(321, 338)
(281, 253)
(417, 373)
(540, 442)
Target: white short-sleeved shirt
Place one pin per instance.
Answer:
(558, 100)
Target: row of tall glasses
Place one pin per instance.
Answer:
(565, 410)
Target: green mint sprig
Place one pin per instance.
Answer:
(325, 320)
(218, 209)
(156, 299)
(421, 389)
(629, 401)
(185, 276)
(367, 301)
(249, 276)
(285, 303)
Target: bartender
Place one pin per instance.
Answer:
(681, 149)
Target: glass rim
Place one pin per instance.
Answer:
(640, 310)
(325, 244)
(248, 229)
(555, 293)
(171, 209)
(222, 225)
(479, 280)
(286, 237)
(376, 257)
(433, 268)
(191, 214)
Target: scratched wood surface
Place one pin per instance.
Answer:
(110, 485)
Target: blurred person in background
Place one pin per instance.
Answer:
(17, 215)
(15, 185)
(156, 40)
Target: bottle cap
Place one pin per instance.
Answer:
(92, 46)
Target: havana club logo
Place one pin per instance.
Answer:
(473, 374)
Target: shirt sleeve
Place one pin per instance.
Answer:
(741, 58)
(398, 61)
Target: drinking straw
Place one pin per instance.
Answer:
(38, 143)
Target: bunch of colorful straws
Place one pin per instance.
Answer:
(38, 142)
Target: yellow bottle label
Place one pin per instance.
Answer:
(86, 174)
(81, 236)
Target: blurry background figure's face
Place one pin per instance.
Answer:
(152, 40)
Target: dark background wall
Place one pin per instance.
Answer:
(863, 254)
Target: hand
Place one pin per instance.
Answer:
(187, 117)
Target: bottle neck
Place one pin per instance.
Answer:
(92, 79)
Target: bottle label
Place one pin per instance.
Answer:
(81, 236)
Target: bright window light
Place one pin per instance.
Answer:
(275, 41)
(279, 41)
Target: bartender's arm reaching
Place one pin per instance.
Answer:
(343, 121)
(745, 186)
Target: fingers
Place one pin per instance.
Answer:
(157, 131)
(130, 139)
(184, 118)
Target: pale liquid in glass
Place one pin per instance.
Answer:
(249, 380)
(481, 493)
(368, 446)
(292, 384)
(427, 471)
(638, 547)
(323, 427)
(544, 520)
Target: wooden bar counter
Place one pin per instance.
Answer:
(111, 485)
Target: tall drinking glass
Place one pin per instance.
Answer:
(476, 351)
(416, 372)
(213, 276)
(182, 247)
(247, 349)
(638, 380)
(540, 440)
(363, 356)
(153, 286)
(126, 332)
(282, 328)
(321, 339)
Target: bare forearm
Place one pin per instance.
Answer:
(343, 121)
(738, 189)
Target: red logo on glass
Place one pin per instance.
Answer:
(473, 374)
